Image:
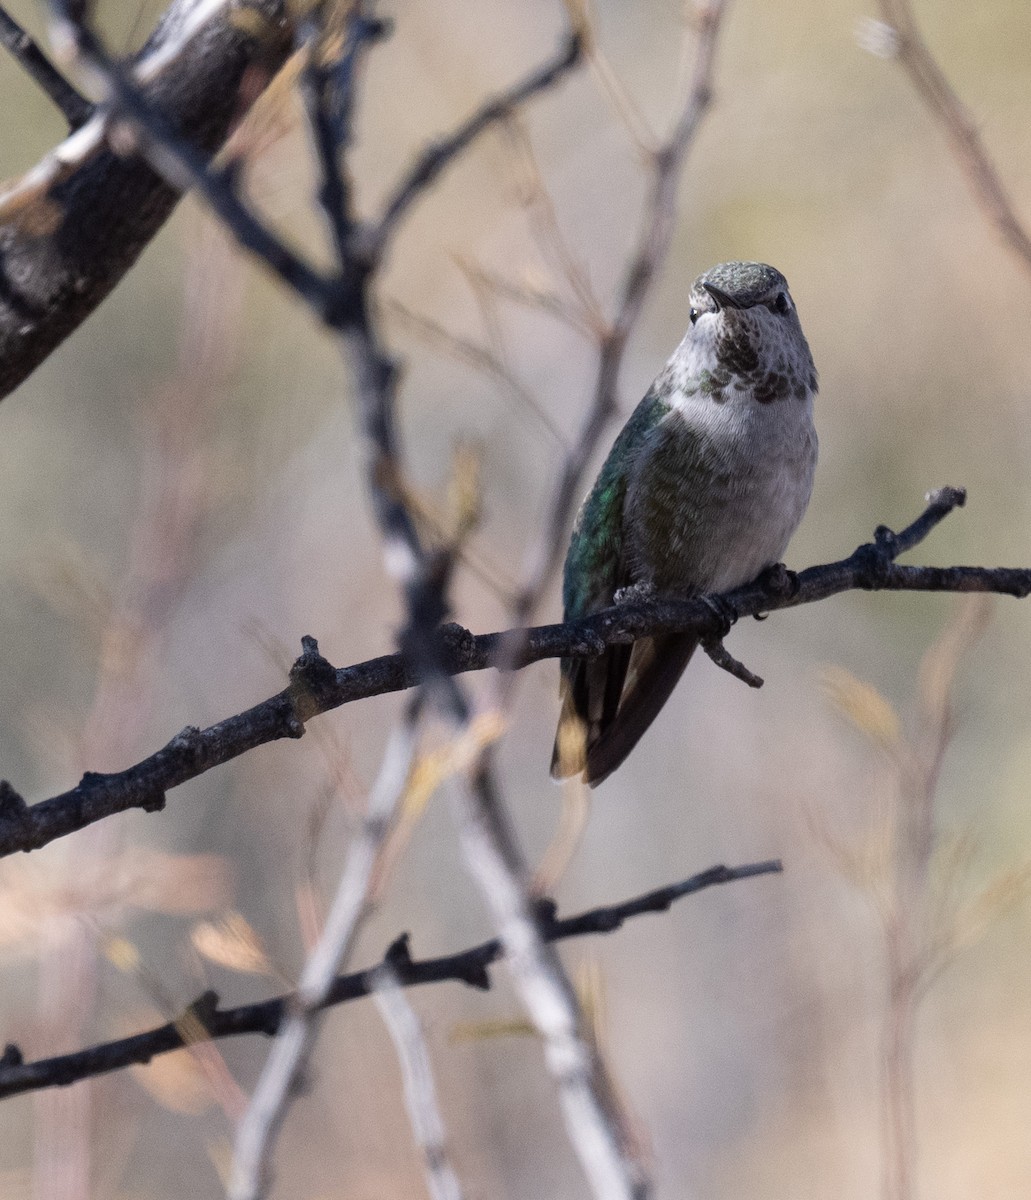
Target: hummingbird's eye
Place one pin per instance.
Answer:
(694, 315)
(781, 303)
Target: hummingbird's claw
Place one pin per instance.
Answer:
(724, 612)
(779, 582)
(712, 643)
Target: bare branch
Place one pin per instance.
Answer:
(721, 656)
(420, 1090)
(908, 46)
(597, 1125)
(468, 967)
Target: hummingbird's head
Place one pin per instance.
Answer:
(745, 330)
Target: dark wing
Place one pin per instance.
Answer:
(648, 678)
(596, 568)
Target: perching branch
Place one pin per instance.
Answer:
(317, 687)
(468, 967)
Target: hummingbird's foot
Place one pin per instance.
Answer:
(779, 582)
(645, 590)
(712, 643)
(725, 613)
(721, 656)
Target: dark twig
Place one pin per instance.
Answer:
(721, 656)
(75, 108)
(908, 46)
(318, 687)
(468, 967)
(939, 504)
(329, 88)
(437, 156)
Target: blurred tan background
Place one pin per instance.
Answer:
(181, 496)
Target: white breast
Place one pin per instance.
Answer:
(736, 517)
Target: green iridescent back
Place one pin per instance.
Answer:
(595, 563)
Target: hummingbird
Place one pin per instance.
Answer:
(701, 491)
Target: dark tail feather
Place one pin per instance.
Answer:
(655, 667)
(591, 691)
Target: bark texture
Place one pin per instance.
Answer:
(64, 250)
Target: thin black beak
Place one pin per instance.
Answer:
(721, 299)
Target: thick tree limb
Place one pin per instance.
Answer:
(316, 686)
(468, 967)
(73, 226)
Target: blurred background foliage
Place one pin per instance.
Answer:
(182, 501)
